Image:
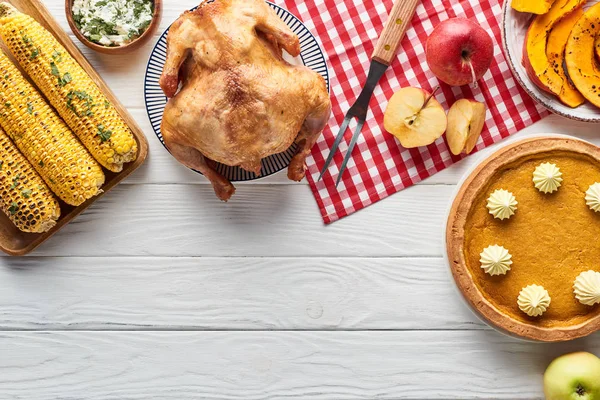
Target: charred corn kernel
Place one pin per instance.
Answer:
(24, 197)
(76, 97)
(45, 140)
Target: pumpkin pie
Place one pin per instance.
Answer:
(552, 238)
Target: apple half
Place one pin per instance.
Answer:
(466, 119)
(414, 117)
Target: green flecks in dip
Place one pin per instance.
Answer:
(112, 22)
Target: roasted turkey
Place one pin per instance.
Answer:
(233, 98)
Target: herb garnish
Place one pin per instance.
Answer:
(41, 163)
(54, 70)
(14, 207)
(62, 80)
(88, 102)
(104, 133)
(57, 56)
(77, 19)
(26, 193)
(30, 108)
(15, 181)
(137, 10)
(34, 53)
(67, 78)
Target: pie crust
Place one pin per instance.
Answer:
(468, 194)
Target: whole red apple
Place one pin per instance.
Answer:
(459, 51)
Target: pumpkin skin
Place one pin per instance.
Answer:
(532, 6)
(580, 58)
(555, 50)
(535, 60)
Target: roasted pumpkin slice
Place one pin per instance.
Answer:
(539, 69)
(555, 50)
(532, 6)
(579, 55)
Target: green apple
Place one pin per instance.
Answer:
(574, 376)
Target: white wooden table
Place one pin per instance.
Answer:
(160, 291)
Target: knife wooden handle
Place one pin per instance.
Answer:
(394, 30)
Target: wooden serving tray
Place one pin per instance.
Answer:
(13, 241)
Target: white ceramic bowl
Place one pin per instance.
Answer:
(514, 29)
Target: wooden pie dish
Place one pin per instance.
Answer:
(552, 238)
(15, 242)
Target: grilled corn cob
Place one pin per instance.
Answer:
(24, 197)
(44, 139)
(76, 97)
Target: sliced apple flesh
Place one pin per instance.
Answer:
(466, 119)
(414, 117)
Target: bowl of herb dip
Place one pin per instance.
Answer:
(113, 26)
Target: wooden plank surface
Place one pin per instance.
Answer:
(237, 293)
(261, 220)
(273, 365)
(160, 291)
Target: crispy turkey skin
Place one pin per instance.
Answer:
(239, 100)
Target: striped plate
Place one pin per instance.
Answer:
(311, 55)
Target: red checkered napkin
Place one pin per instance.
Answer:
(379, 167)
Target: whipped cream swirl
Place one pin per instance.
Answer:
(534, 300)
(495, 260)
(587, 288)
(547, 178)
(592, 197)
(502, 204)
